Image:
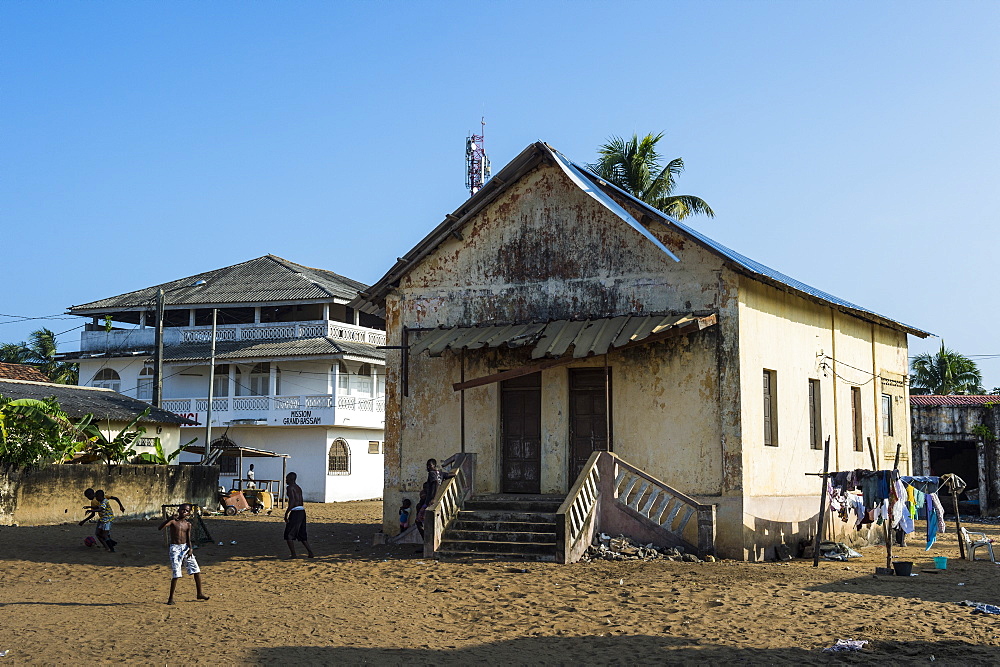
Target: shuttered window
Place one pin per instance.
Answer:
(859, 446)
(770, 409)
(886, 414)
(815, 416)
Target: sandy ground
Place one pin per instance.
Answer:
(354, 603)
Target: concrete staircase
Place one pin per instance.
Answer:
(504, 527)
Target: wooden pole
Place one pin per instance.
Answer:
(871, 453)
(888, 521)
(822, 503)
(955, 490)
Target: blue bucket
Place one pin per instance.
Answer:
(941, 562)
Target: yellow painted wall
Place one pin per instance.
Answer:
(802, 340)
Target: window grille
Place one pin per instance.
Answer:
(339, 459)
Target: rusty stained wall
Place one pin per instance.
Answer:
(544, 250)
(942, 424)
(797, 338)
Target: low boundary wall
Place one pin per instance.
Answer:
(53, 494)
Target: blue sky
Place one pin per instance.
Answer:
(852, 145)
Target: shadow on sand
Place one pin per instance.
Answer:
(621, 650)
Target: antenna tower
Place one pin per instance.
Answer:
(477, 163)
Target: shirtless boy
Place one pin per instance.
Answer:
(295, 516)
(181, 552)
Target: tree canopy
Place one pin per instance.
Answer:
(634, 166)
(945, 372)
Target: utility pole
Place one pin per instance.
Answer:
(158, 365)
(211, 392)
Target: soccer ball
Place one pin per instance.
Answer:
(90, 541)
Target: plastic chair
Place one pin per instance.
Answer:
(972, 543)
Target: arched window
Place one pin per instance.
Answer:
(260, 379)
(220, 383)
(366, 370)
(144, 390)
(339, 459)
(107, 378)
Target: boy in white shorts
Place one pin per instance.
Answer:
(181, 552)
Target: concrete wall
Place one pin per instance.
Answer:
(308, 448)
(943, 424)
(53, 494)
(801, 340)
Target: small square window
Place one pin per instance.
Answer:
(373, 446)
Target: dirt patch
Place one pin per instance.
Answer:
(356, 603)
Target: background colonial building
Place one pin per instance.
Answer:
(296, 370)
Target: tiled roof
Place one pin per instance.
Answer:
(372, 300)
(950, 400)
(21, 372)
(249, 350)
(77, 402)
(262, 280)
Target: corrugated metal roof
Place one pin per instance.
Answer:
(950, 400)
(553, 339)
(592, 185)
(77, 402)
(262, 280)
(742, 261)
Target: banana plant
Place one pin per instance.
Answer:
(159, 458)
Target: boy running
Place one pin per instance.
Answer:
(105, 517)
(180, 550)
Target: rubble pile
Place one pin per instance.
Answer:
(625, 548)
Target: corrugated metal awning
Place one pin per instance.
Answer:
(554, 339)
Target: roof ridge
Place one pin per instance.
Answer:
(58, 384)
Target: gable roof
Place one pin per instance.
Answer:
(21, 372)
(265, 279)
(77, 402)
(538, 153)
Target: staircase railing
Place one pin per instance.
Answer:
(576, 519)
(450, 499)
(642, 495)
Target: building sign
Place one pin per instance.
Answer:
(300, 418)
(190, 415)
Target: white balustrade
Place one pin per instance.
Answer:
(177, 405)
(289, 330)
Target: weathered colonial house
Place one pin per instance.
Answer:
(294, 371)
(552, 316)
(958, 434)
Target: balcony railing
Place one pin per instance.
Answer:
(305, 410)
(130, 339)
(278, 331)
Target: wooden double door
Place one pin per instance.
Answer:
(521, 426)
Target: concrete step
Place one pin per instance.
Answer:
(505, 515)
(506, 504)
(471, 555)
(495, 548)
(460, 535)
(495, 526)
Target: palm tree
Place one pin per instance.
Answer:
(40, 351)
(946, 372)
(634, 166)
